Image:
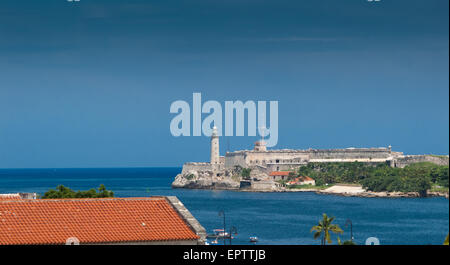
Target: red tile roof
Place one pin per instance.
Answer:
(107, 220)
(306, 178)
(300, 179)
(279, 173)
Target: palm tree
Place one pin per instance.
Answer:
(324, 228)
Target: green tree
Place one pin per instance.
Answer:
(346, 242)
(103, 192)
(446, 240)
(246, 173)
(190, 176)
(62, 192)
(417, 177)
(324, 228)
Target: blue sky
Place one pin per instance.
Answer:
(89, 84)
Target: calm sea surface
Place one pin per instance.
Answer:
(275, 218)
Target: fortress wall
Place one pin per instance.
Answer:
(411, 159)
(290, 159)
(282, 167)
(263, 158)
(196, 167)
(348, 154)
(258, 171)
(234, 159)
(263, 185)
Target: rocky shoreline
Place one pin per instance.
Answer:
(206, 183)
(367, 194)
(371, 194)
(216, 183)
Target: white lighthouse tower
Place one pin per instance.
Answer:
(215, 147)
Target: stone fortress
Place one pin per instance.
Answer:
(219, 172)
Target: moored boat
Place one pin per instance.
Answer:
(253, 239)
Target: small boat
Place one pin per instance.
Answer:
(221, 233)
(253, 239)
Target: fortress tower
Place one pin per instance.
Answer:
(215, 147)
(260, 146)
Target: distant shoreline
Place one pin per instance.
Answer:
(343, 190)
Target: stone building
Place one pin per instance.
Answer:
(302, 180)
(263, 162)
(21, 195)
(280, 175)
(287, 159)
(215, 157)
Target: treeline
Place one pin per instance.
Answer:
(62, 192)
(418, 177)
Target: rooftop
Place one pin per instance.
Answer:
(106, 220)
(310, 150)
(304, 178)
(300, 179)
(280, 173)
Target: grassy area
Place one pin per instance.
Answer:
(439, 156)
(308, 186)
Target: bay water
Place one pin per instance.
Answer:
(275, 218)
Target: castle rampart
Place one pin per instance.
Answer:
(219, 173)
(411, 159)
(286, 159)
(196, 166)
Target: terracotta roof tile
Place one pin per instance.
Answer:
(306, 178)
(300, 179)
(279, 173)
(108, 220)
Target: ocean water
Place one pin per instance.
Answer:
(275, 218)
